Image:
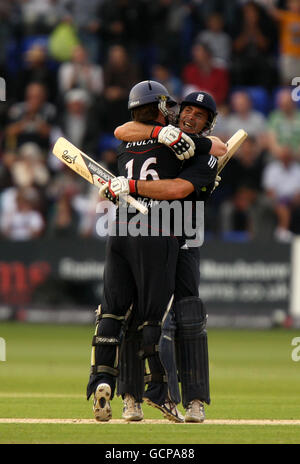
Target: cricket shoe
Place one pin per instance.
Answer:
(101, 407)
(168, 408)
(132, 410)
(195, 412)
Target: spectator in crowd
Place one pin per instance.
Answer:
(36, 69)
(281, 181)
(215, 37)
(220, 129)
(65, 182)
(78, 122)
(86, 17)
(163, 74)
(30, 167)
(109, 159)
(284, 124)
(120, 74)
(25, 168)
(26, 222)
(204, 75)
(8, 160)
(172, 24)
(228, 9)
(38, 17)
(81, 73)
(31, 120)
(253, 48)
(123, 22)
(244, 116)
(235, 216)
(216, 44)
(245, 168)
(64, 221)
(94, 214)
(246, 212)
(289, 42)
(7, 29)
(248, 215)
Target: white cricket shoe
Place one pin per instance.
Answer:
(195, 412)
(132, 410)
(101, 407)
(168, 408)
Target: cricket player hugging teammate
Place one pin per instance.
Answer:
(151, 309)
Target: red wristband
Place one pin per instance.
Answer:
(155, 131)
(132, 186)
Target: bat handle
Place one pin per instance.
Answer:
(136, 204)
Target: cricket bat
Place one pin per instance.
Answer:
(88, 168)
(233, 145)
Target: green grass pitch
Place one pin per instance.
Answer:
(252, 373)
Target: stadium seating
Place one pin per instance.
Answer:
(259, 95)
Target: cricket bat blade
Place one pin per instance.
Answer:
(88, 168)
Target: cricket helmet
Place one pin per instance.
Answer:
(149, 92)
(202, 100)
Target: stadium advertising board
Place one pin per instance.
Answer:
(236, 280)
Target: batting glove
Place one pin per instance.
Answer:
(116, 187)
(178, 141)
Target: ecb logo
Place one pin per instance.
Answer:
(2, 349)
(2, 89)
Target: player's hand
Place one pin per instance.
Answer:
(178, 141)
(116, 187)
(217, 182)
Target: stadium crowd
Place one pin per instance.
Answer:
(69, 65)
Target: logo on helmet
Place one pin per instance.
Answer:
(135, 102)
(200, 97)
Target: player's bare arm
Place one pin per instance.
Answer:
(133, 131)
(218, 148)
(179, 142)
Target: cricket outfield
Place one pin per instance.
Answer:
(254, 389)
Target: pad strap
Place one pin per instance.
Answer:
(100, 316)
(149, 323)
(109, 316)
(104, 369)
(148, 350)
(101, 340)
(155, 377)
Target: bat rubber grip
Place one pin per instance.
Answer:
(137, 205)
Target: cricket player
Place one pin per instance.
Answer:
(129, 275)
(195, 181)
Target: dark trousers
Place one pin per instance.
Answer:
(140, 270)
